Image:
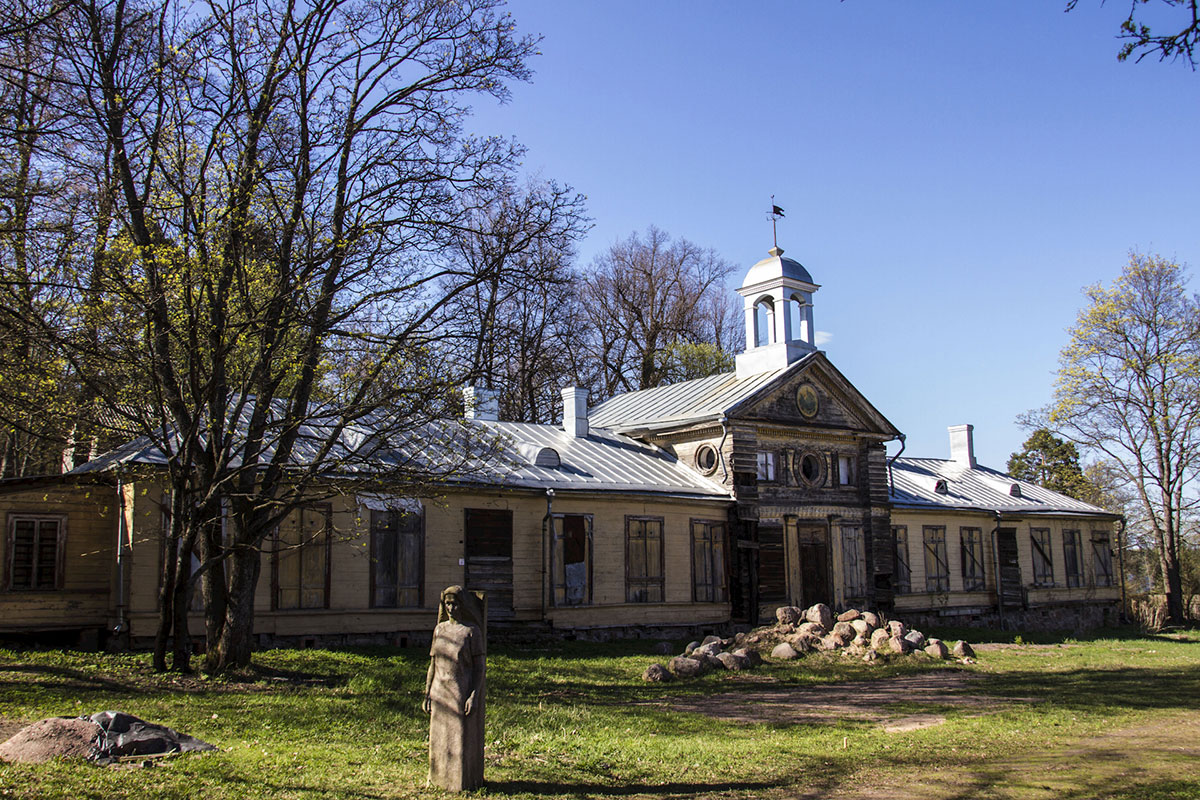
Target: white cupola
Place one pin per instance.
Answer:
(777, 293)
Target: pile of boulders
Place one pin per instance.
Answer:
(865, 634)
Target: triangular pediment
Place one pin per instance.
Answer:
(815, 394)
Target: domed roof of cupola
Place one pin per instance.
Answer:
(774, 267)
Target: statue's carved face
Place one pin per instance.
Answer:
(452, 605)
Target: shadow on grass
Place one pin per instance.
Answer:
(61, 678)
(1129, 633)
(674, 789)
(1127, 687)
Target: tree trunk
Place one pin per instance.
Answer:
(181, 656)
(214, 588)
(166, 598)
(1172, 583)
(237, 637)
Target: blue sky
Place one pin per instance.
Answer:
(953, 173)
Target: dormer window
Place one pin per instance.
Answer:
(942, 486)
(1014, 490)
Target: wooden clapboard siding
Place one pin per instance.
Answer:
(87, 558)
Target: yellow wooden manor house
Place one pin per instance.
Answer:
(686, 508)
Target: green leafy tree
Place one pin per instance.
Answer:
(1051, 462)
(1128, 390)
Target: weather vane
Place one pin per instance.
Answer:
(776, 214)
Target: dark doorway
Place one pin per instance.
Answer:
(814, 574)
(1010, 593)
(488, 545)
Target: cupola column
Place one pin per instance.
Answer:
(784, 333)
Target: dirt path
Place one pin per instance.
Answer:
(1156, 760)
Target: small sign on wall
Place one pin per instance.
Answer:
(462, 562)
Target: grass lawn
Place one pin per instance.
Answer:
(1116, 716)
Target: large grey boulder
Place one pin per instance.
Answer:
(788, 615)
(813, 628)
(707, 649)
(804, 642)
(879, 638)
(872, 619)
(750, 654)
(820, 614)
(831, 642)
(657, 673)
(844, 631)
(897, 628)
(684, 667)
(900, 645)
(784, 652)
(849, 615)
(861, 627)
(963, 650)
(916, 639)
(733, 661)
(937, 648)
(710, 639)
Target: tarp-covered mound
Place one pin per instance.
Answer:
(104, 738)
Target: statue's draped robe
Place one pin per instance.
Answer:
(455, 738)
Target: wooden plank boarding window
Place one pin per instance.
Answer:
(973, 575)
(1072, 558)
(1102, 558)
(643, 559)
(35, 552)
(903, 574)
(854, 572)
(708, 562)
(300, 566)
(937, 564)
(571, 560)
(397, 558)
(1043, 562)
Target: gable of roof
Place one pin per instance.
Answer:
(702, 400)
(914, 486)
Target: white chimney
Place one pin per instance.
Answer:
(481, 403)
(962, 445)
(575, 411)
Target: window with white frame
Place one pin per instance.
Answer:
(937, 564)
(974, 578)
(1073, 558)
(854, 572)
(903, 570)
(1043, 561)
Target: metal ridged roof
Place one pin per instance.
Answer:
(677, 403)
(980, 488)
(488, 453)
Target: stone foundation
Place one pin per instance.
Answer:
(1058, 617)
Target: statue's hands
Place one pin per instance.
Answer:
(469, 704)
(426, 706)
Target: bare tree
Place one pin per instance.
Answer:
(647, 295)
(1128, 389)
(283, 173)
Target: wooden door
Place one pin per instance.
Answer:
(808, 566)
(1010, 592)
(489, 546)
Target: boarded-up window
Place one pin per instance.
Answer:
(301, 563)
(1043, 561)
(1072, 558)
(571, 560)
(644, 559)
(1102, 558)
(903, 574)
(35, 552)
(708, 562)
(854, 572)
(937, 565)
(973, 575)
(397, 556)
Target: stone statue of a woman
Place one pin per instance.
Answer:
(454, 692)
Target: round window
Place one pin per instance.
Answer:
(812, 468)
(706, 458)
